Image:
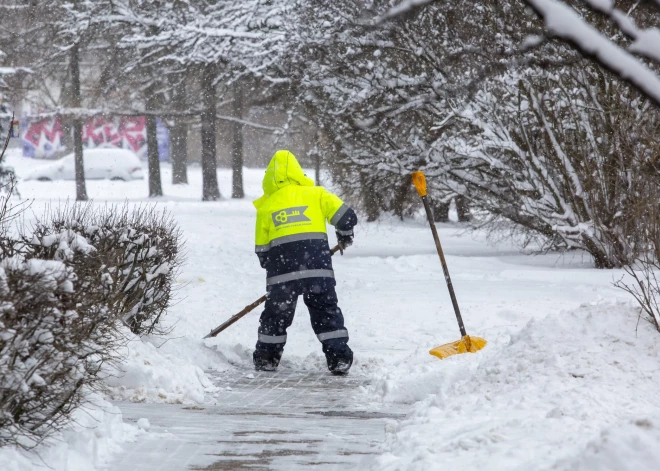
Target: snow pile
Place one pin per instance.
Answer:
(151, 374)
(626, 446)
(97, 432)
(572, 391)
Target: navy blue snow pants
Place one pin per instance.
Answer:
(327, 319)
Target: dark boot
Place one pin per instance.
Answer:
(265, 361)
(339, 365)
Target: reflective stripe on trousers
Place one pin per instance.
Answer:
(335, 334)
(263, 338)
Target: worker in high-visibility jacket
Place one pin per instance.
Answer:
(292, 245)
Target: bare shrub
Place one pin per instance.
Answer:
(643, 281)
(7, 174)
(644, 288)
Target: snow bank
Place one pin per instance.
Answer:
(168, 374)
(625, 446)
(572, 391)
(96, 433)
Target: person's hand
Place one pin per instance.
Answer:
(344, 241)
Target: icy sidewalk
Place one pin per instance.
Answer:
(291, 419)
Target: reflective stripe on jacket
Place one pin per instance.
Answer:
(291, 238)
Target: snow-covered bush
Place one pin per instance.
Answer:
(51, 348)
(563, 155)
(55, 335)
(134, 258)
(536, 138)
(71, 282)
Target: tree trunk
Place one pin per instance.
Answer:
(317, 168)
(153, 158)
(81, 190)
(179, 149)
(179, 139)
(463, 209)
(440, 211)
(371, 199)
(67, 136)
(321, 145)
(601, 258)
(398, 205)
(210, 190)
(237, 144)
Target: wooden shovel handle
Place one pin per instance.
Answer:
(420, 183)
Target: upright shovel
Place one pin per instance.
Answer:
(466, 343)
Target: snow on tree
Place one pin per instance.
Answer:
(615, 52)
(442, 89)
(564, 22)
(145, 83)
(563, 155)
(383, 95)
(58, 34)
(221, 41)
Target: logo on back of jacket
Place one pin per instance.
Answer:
(290, 216)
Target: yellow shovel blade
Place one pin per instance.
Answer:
(466, 344)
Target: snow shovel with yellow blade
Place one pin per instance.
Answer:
(466, 343)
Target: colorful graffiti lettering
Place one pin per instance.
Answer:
(45, 138)
(42, 138)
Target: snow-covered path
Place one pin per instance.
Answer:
(291, 419)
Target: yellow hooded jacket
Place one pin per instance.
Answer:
(291, 237)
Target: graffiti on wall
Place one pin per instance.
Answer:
(44, 139)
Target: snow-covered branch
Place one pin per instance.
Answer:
(564, 22)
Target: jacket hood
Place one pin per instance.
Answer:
(283, 170)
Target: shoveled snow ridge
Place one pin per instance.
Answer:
(574, 391)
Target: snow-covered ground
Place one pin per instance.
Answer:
(95, 437)
(568, 380)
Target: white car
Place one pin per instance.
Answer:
(100, 164)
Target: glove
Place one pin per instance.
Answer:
(344, 241)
